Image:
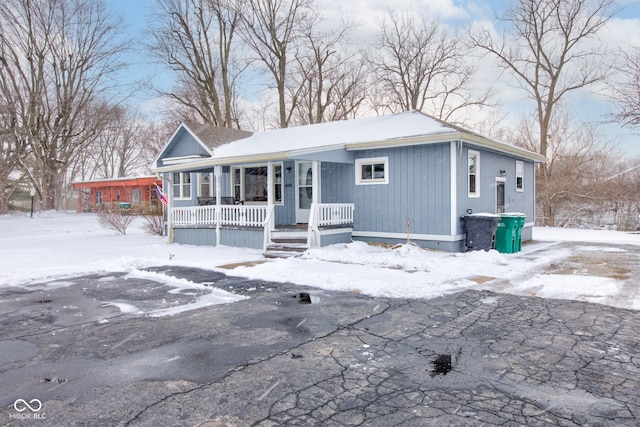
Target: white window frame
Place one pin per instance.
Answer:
(476, 174)
(372, 161)
(241, 184)
(200, 176)
(519, 176)
(181, 185)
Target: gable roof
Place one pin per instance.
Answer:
(214, 136)
(408, 128)
(207, 136)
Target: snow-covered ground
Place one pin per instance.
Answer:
(54, 245)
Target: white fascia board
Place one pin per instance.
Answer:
(306, 151)
(448, 137)
(175, 133)
(182, 159)
(258, 158)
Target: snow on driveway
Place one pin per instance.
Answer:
(53, 245)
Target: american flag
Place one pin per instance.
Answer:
(161, 196)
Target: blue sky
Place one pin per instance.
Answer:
(625, 28)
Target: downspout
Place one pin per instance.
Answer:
(169, 206)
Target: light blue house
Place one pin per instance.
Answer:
(386, 179)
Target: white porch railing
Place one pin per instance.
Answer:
(243, 215)
(234, 215)
(194, 215)
(327, 215)
(334, 214)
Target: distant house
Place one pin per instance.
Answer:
(139, 192)
(385, 179)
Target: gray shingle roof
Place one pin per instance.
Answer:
(213, 136)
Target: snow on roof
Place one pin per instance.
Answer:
(335, 134)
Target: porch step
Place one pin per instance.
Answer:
(286, 243)
(289, 234)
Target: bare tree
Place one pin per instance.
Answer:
(419, 65)
(274, 30)
(547, 49)
(119, 149)
(196, 39)
(330, 79)
(12, 149)
(579, 163)
(626, 93)
(56, 57)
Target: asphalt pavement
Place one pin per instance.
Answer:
(71, 353)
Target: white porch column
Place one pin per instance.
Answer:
(169, 206)
(217, 173)
(315, 182)
(270, 225)
(269, 185)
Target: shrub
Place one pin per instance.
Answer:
(116, 219)
(153, 224)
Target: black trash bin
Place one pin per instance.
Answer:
(481, 231)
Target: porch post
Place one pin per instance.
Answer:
(315, 182)
(170, 206)
(315, 202)
(217, 172)
(270, 225)
(269, 185)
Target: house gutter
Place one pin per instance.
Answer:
(448, 137)
(220, 161)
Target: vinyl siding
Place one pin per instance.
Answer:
(491, 163)
(417, 192)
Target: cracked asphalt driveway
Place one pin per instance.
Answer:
(279, 358)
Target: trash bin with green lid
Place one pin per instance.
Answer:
(480, 230)
(506, 233)
(521, 218)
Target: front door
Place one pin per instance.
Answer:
(304, 190)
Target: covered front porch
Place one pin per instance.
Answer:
(273, 206)
(240, 225)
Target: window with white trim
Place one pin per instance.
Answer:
(519, 176)
(249, 183)
(205, 184)
(372, 171)
(181, 185)
(277, 183)
(473, 173)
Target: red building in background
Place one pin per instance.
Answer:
(136, 192)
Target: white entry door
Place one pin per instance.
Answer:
(304, 190)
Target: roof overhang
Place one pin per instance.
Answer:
(208, 163)
(448, 137)
(438, 138)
